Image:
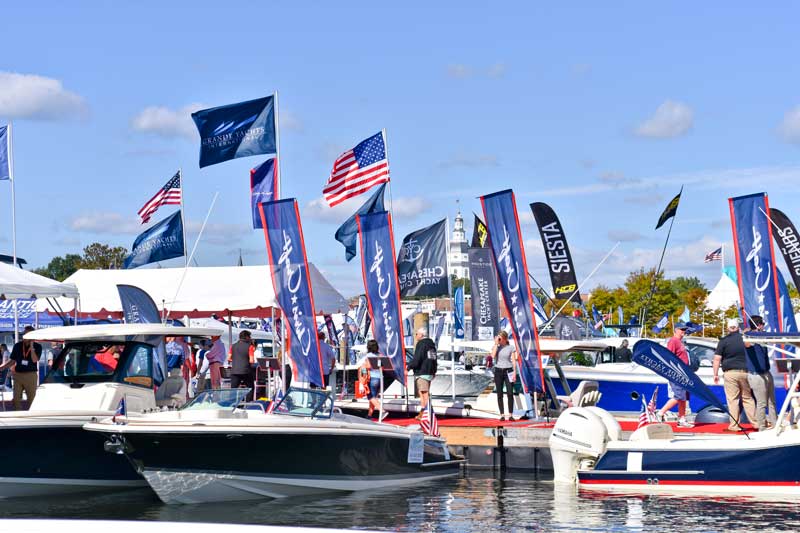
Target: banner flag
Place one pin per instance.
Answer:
(660, 360)
(559, 260)
(289, 268)
(333, 335)
(5, 152)
(437, 334)
(789, 324)
(139, 308)
(347, 234)
(422, 262)
(685, 316)
(670, 210)
(484, 297)
(263, 187)
(505, 241)
(620, 315)
(458, 313)
(661, 324)
(237, 130)
(158, 243)
(755, 259)
(788, 240)
(383, 291)
(479, 233)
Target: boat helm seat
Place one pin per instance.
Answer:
(653, 432)
(586, 394)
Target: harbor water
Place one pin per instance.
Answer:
(476, 501)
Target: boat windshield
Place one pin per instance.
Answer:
(98, 362)
(216, 399)
(305, 402)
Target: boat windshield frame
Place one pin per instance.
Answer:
(308, 403)
(133, 364)
(217, 399)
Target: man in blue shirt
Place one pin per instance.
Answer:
(328, 360)
(176, 354)
(760, 379)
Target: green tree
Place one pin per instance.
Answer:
(460, 282)
(637, 290)
(103, 256)
(60, 268)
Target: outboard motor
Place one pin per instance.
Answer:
(579, 438)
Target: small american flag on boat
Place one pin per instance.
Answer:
(648, 414)
(428, 422)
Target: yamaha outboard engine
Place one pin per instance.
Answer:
(579, 438)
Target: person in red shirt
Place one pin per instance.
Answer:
(677, 394)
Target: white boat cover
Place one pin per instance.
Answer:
(16, 283)
(240, 290)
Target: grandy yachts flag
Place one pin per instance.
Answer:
(383, 291)
(505, 241)
(290, 277)
(422, 262)
(755, 259)
(483, 294)
(158, 243)
(237, 130)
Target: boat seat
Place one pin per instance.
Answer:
(585, 394)
(653, 432)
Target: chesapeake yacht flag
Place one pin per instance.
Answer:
(139, 308)
(383, 292)
(169, 194)
(5, 152)
(358, 170)
(288, 266)
(505, 241)
(237, 130)
(670, 210)
(263, 187)
(158, 243)
(755, 259)
(484, 299)
(422, 262)
(556, 251)
(347, 234)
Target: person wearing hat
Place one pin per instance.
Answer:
(760, 379)
(215, 356)
(731, 356)
(677, 394)
(24, 361)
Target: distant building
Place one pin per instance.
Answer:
(459, 260)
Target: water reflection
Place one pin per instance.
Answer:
(474, 502)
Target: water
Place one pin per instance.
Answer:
(473, 502)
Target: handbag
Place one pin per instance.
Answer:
(512, 376)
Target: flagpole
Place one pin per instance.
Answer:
(660, 261)
(386, 153)
(183, 221)
(277, 194)
(722, 259)
(10, 149)
(453, 310)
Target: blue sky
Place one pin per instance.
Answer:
(600, 111)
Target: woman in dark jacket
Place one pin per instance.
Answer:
(424, 366)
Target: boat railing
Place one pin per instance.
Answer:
(790, 410)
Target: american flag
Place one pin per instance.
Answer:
(716, 255)
(275, 401)
(122, 410)
(169, 194)
(648, 414)
(357, 170)
(428, 422)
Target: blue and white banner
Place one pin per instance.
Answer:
(661, 324)
(263, 187)
(383, 291)
(139, 308)
(237, 130)
(660, 360)
(422, 263)
(289, 268)
(755, 259)
(788, 322)
(438, 330)
(27, 315)
(158, 243)
(333, 335)
(484, 299)
(505, 240)
(458, 313)
(5, 152)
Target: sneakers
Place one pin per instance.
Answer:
(683, 423)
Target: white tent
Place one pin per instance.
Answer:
(16, 283)
(723, 295)
(243, 291)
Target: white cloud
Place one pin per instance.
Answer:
(459, 71)
(37, 97)
(406, 207)
(167, 122)
(624, 235)
(498, 70)
(671, 119)
(468, 160)
(105, 222)
(291, 122)
(790, 127)
(409, 206)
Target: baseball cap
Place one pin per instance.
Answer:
(681, 325)
(733, 322)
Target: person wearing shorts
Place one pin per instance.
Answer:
(424, 366)
(677, 394)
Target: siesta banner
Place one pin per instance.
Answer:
(505, 241)
(139, 308)
(422, 262)
(483, 294)
(788, 241)
(556, 251)
(288, 266)
(755, 259)
(382, 288)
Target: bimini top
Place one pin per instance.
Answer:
(117, 332)
(763, 337)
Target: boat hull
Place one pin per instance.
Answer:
(196, 467)
(60, 459)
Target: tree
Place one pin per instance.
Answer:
(103, 256)
(60, 268)
(461, 282)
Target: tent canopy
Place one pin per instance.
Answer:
(17, 283)
(724, 294)
(244, 291)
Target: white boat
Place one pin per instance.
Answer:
(46, 451)
(217, 448)
(588, 448)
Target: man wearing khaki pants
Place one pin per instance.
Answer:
(731, 355)
(24, 362)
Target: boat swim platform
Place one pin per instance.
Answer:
(519, 445)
